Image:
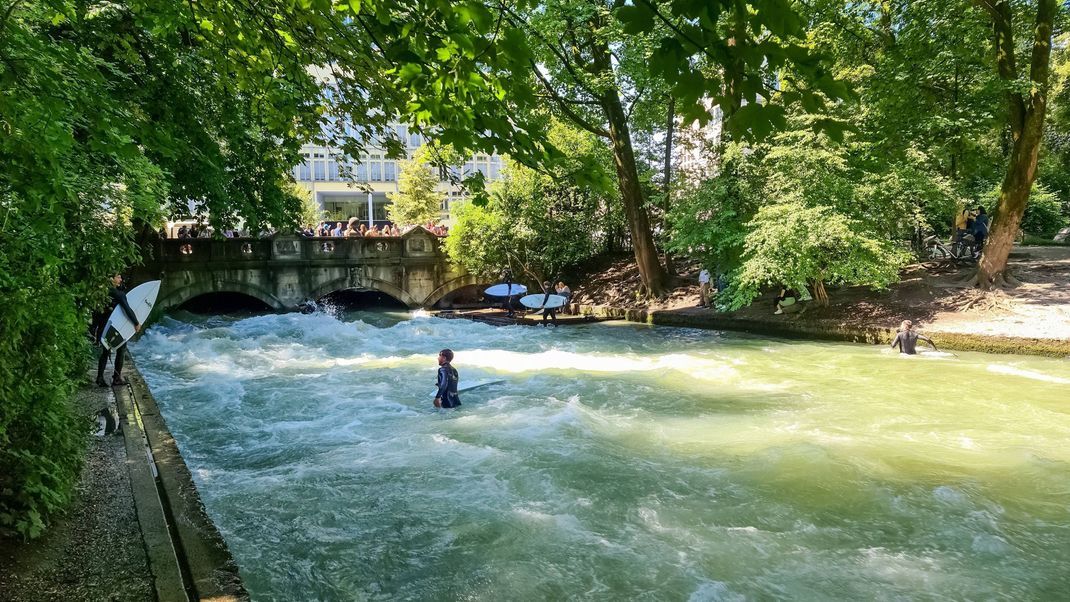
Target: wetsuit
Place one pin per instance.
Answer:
(447, 386)
(118, 298)
(907, 341)
(548, 312)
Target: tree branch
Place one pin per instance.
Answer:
(563, 104)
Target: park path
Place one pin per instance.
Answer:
(94, 551)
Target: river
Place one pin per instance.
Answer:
(615, 461)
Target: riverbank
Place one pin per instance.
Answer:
(1033, 318)
(135, 530)
(95, 551)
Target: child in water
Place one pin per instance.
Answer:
(446, 396)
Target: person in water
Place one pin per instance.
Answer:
(118, 298)
(907, 339)
(446, 396)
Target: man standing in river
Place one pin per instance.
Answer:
(907, 339)
(446, 396)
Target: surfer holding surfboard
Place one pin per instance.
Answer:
(118, 299)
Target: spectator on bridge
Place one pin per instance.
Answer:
(339, 230)
(183, 232)
(353, 229)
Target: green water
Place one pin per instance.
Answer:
(616, 462)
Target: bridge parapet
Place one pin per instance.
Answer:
(284, 271)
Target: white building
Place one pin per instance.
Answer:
(344, 187)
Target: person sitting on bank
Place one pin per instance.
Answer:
(907, 339)
(353, 229)
(118, 299)
(446, 396)
(563, 290)
(785, 298)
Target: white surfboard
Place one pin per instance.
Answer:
(119, 328)
(536, 301)
(506, 290)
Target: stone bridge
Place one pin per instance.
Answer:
(284, 271)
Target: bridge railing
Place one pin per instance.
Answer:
(183, 250)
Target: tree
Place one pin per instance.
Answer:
(534, 223)
(311, 214)
(418, 200)
(791, 243)
(1025, 118)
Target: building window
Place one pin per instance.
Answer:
(332, 170)
(320, 170)
(361, 173)
(414, 140)
(389, 167)
(482, 167)
(376, 171)
(494, 171)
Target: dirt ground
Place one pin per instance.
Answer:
(94, 551)
(931, 295)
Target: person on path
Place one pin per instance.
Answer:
(507, 276)
(118, 299)
(446, 396)
(980, 227)
(907, 339)
(548, 312)
(704, 288)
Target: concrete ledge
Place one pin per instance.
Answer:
(207, 563)
(160, 549)
(853, 333)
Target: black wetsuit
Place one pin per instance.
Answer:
(548, 312)
(907, 341)
(118, 299)
(447, 386)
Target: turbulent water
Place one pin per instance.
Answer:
(615, 462)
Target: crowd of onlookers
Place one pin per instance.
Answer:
(354, 228)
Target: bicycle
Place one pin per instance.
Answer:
(964, 248)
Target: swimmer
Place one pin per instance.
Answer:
(446, 395)
(907, 339)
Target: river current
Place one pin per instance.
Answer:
(615, 461)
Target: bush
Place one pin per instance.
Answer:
(1043, 214)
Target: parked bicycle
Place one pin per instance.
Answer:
(964, 248)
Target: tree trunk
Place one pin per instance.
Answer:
(821, 296)
(646, 254)
(1027, 129)
(670, 124)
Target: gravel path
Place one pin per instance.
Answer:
(95, 551)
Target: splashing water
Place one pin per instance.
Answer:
(615, 461)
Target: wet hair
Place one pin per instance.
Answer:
(980, 209)
(906, 325)
(447, 353)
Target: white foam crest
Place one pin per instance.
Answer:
(556, 359)
(1013, 371)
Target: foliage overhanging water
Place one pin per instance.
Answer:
(615, 461)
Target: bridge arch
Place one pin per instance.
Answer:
(375, 284)
(450, 286)
(184, 294)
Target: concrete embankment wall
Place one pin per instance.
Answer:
(829, 331)
(208, 571)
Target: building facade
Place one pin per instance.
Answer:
(347, 187)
